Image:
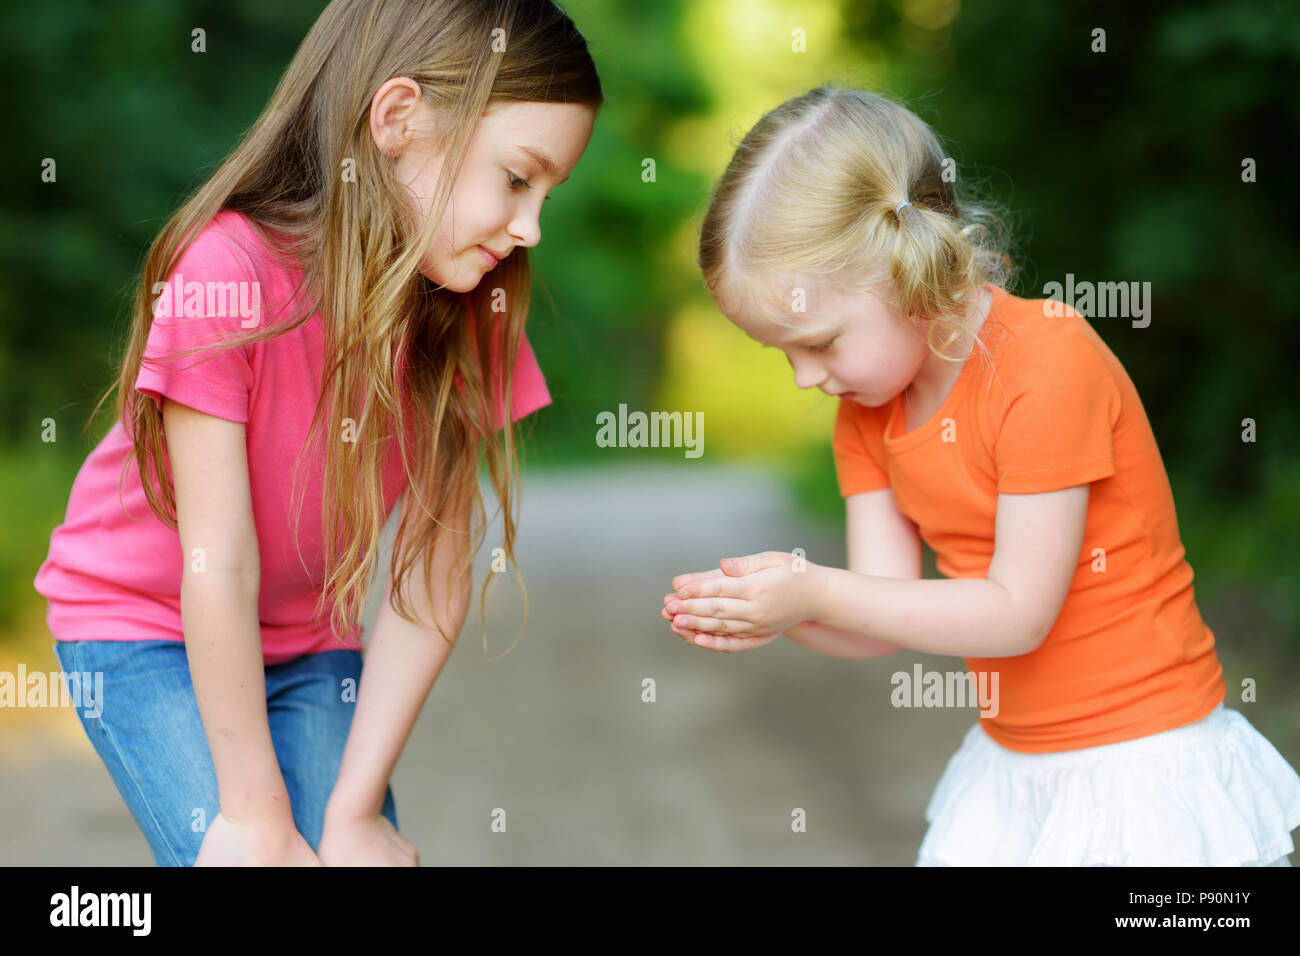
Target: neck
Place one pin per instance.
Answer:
(936, 376)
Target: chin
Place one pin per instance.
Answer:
(457, 283)
(861, 400)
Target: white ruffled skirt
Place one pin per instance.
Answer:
(1212, 793)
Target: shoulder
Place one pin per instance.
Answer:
(232, 255)
(218, 286)
(1041, 342)
(231, 241)
(245, 240)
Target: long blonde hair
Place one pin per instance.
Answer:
(815, 188)
(359, 247)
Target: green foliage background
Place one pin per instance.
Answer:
(1117, 166)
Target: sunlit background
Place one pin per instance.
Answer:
(1115, 166)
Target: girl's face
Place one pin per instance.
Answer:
(851, 345)
(518, 153)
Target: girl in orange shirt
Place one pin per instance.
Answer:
(836, 235)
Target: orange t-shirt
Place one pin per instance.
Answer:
(1129, 654)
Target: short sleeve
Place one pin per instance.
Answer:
(528, 387)
(210, 297)
(529, 391)
(1054, 429)
(856, 468)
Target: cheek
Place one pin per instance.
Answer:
(866, 373)
(450, 217)
(895, 373)
(877, 366)
(473, 217)
(424, 190)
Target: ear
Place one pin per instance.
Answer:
(393, 111)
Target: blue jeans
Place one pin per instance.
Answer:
(150, 736)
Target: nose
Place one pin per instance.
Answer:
(808, 372)
(526, 229)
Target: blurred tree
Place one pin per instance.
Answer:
(1122, 166)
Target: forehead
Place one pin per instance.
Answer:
(782, 310)
(554, 135)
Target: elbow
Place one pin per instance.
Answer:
(1027, 621)
(1033, 637)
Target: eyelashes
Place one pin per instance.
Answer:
(516, 183)
(824, 346)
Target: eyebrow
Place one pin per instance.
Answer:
(547, 164)
(799, 340)
(812, 336)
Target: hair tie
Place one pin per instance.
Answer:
(899, 208)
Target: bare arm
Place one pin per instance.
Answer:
(881, 542)
(402, 662)
(219, 592)
(1008, 613)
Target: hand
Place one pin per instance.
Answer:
(365, 841)
(754, 596)
(257, 841)
(714, 642)
(746, 603)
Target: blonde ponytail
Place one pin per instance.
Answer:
(934, 270)
(851, 187)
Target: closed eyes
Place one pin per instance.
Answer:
(824, 346)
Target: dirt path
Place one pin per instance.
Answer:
(557, 733)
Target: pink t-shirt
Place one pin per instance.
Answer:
(113, 572)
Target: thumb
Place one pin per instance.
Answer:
(738, 567)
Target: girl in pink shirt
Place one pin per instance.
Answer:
(327, 280)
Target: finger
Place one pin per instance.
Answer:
(732, 608)
(713, 625)
(682, 579)
(729, 645)
(690, 637)
(707, 641)
(718, 586)
(667, 615)
(749, 563)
